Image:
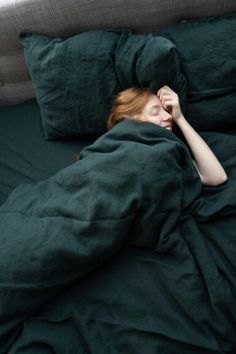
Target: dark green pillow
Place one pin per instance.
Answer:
(147, 60)
(207, 50)
(76, 79)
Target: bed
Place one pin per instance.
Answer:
(95, 259)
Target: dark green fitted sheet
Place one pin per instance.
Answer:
(25, 156)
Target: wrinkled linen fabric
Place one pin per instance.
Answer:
(120, 252)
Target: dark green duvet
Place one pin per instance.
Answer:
(123, 251)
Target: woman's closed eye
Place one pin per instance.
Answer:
(153, 111)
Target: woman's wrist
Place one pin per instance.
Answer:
(181, 119)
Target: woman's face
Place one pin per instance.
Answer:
(154, 112)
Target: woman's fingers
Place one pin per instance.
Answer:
(166, 88)
(170, 101)
(164, 95)
(167, 105)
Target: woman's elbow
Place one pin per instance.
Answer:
(215, 181)
(224, 178)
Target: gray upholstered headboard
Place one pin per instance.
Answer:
(69, 17)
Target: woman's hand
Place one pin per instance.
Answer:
(209, 168)
(170, 102)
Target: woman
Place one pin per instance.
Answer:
(164, 109)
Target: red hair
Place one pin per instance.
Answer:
(128, 104)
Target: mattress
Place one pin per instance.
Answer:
(25, 155)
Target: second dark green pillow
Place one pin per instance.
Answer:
(207, 50)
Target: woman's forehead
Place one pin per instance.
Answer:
(154, 101)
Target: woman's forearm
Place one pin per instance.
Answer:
(209, 168)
